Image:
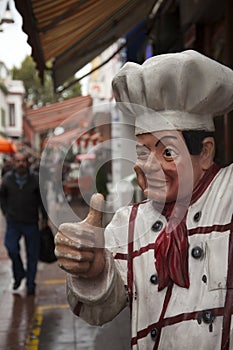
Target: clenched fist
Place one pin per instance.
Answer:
(80, 246)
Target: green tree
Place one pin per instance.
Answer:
(36, 93)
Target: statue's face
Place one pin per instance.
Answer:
(165, 169)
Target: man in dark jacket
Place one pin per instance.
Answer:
(20, 204)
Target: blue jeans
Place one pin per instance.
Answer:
(31, 234)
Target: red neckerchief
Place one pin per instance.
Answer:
(171, 246)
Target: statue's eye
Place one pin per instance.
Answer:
(143, 153)
(170, 153)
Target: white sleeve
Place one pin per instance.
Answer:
(97, 301)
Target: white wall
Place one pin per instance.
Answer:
(3, 108)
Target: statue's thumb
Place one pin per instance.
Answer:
(95, 214)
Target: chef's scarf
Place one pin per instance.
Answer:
(171, 250)
(171, 246)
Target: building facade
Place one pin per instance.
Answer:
(11, 104)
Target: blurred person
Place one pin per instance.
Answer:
(170, 257)
(7, 166)
(22, 207)
(34, 165)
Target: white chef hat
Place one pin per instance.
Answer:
(175, 91)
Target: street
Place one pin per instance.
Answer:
(44, 321)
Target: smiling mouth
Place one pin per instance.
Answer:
(156, 183)
(155, 188)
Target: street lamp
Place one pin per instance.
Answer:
(7, 15)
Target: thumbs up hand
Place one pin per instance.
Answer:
(80, 246)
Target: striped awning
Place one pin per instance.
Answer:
(70, 33)
(67, 112)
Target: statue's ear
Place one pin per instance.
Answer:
(207, 153)
(141, 179)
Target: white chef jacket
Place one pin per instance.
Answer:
(174, 318)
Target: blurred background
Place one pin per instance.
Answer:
(57, 61)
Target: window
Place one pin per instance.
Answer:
(3, 118)
(11, 114)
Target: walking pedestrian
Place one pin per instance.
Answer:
(22, 207)
(169, 258)
(7, 166)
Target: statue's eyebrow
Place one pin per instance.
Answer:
(140, 146)
(165, 137)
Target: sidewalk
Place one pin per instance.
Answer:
(59, 329)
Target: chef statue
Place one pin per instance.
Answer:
(169, 258)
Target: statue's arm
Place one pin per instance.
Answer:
(98, 300)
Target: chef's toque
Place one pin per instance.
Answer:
(175, 91)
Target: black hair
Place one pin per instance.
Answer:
(194, 140)
(23, 153)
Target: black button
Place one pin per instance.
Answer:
(197, 252)
(208, 316)
(154, 333)
(154, 279)
(157, 226)
(204, 278)
(199, 318)
(197, 216)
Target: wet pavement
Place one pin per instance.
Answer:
(44, 321)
